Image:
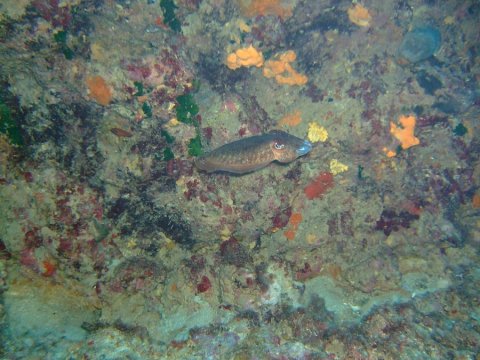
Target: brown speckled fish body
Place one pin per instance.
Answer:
(253, 153)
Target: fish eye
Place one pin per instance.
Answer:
(279, 146)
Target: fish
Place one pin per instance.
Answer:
(254, 153)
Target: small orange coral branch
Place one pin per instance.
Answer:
(405, 134)
(290, 234)
(48, 268)
(248, 56)
(294, 222)
(389, 153)
(283, 72)
(99, 90)
(252, 8)
(476, 201)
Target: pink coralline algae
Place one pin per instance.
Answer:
(234, 253)
(318, 187)
(53, 12)
(4, 253)
(166, 73)
(280, 220)
(391, 221)
(33, 238)
(136, 274)
(204, 284)
(179, 167)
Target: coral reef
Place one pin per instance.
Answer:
(114, 245)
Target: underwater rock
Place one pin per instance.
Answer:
(39, 311)
(419, 44)
(428, 82)
(453, 94)
(234, 253)
(176, 228)
(458, 102)
(137, 273)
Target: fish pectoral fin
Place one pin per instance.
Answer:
(200, 163)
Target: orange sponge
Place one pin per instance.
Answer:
(99, 90)
(359, 15)
(405, 134)
(252, 8)
(292, 119)
(248, 56)
(283, 72)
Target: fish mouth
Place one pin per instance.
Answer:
(305, 148)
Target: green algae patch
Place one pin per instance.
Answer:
(61, 39)
(139, 87)
(195, 146)
(360, 172)
(168, 154)
(460, 130)
(147, 109)
(169, 18)
(186, 109)
(168, 138)
(9, 126)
